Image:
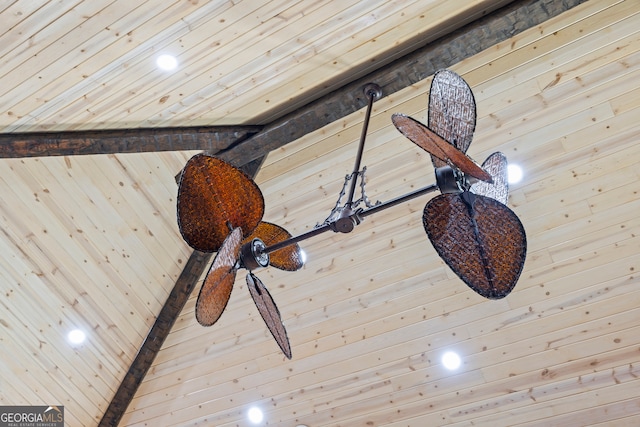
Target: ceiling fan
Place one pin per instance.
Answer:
(220, 209)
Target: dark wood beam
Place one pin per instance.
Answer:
(184, 286)
(205, 138)
(399, 74)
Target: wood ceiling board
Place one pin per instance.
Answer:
(276, 126)
(153, 342)
(403, 72)
(69, 241)
(112, 48)
(340, 309)
(520, 328)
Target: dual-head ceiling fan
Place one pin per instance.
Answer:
(220, 209)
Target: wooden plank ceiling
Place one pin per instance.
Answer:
(91, 242)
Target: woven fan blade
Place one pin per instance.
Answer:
(431, 142)
(481, 239)
(212, 196)
(288, 258)
(216, 289)
(452, 111)
(496, 165)
(269, 312)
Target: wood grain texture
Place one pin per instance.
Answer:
(114, 141)
(405, 71)
(91, 241)
(196, 264)
(370, 314)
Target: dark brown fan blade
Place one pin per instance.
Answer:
(269, 312)
(216, 289)
(496, 165)
(212, 197)
(431, 142)
(288, 258)
(452, 111)
(481, 239)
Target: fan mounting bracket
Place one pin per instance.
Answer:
(372, 90)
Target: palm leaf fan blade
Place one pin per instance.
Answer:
(434, 144)
(480, 239)
(269, 312)
(288, 258)
(218, 283)
(452, 111)
(497, 166)
(213, 197)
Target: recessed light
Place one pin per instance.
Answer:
(76, 337)
(255, 415)
(514, 174)
(166, 62)
(451, 360)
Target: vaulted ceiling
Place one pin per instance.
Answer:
(93, 135)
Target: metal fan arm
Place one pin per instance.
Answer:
(304, 236)
(348, 215)
(401, 199)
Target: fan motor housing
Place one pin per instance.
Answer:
(447, 180)
(252, 255)
(346, 221)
